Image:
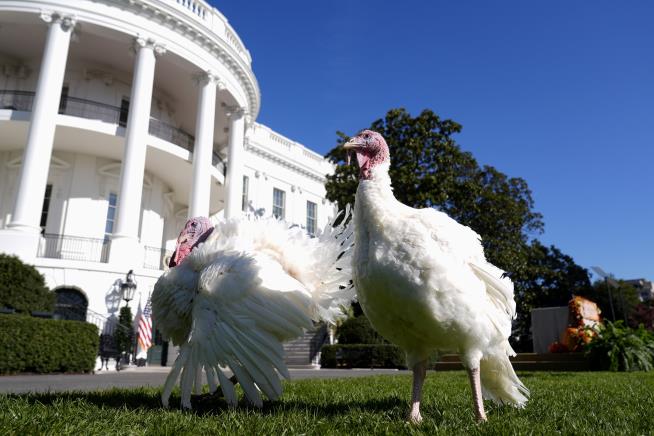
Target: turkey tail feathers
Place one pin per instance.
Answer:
(333, 263)
(500, 383)
(498, 287)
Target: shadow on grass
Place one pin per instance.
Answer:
(206, 404)
(114, 398)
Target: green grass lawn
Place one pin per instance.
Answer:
(568, 403)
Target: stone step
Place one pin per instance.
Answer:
(296, 353)
(300, 351)
(298, 347)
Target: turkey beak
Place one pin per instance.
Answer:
(352, 144)
(349, 146)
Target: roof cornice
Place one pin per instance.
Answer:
(280, 160)
(226, 48)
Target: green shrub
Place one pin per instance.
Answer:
(22, 287)
(362, 356)
(358, 331)
(125, 333)
(620, 348)
(45, 345)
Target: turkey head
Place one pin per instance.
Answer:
(371, 150)
(195, 231)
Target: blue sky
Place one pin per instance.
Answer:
(559, 93)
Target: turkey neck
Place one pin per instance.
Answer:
(375, 202)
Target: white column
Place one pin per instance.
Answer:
(125, 247)
(22, 235)
(235, 160)
(202, 150)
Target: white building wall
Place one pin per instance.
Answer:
(97, 284)
(84, 207)
(81, 185)
(85, 165)
(274, 161)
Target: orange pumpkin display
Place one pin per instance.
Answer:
(584, 320)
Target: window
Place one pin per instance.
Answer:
(111, 215)
(70, 304)
(312, 217)
(124, 111)
(46, 207)
(279, 200)
(244, 199)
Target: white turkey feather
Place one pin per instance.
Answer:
(234, 299)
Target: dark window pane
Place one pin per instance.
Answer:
(124, 112)
(46, 206)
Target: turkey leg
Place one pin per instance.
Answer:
(478, 402)
(217, 394)
(419, 373)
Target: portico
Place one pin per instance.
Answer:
(214, 102)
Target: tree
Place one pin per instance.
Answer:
(22, 287)
(624, 298)
(643, 314)
(429, 169)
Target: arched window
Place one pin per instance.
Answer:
(70, 304)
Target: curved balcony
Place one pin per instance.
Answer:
(67, 247)
(78, 107)
(73, 248)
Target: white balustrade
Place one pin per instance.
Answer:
(215, 21)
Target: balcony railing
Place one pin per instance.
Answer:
(210, 17)
(155, 257)
(93, 110)
(16, 100)
(94, 250)
(171, 134)
(73, 248)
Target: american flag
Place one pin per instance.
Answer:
(145, 327)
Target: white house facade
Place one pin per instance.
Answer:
(120, 119)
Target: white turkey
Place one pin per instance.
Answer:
(237, 290)
(424, 283)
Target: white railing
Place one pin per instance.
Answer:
(211, 18)
(311, 155)
(234, 40)
(282, 141)
(196, 7)
(278, 144)
(106, 326)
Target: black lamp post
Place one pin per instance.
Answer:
(128, 287)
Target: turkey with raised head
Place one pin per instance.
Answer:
(425, 285)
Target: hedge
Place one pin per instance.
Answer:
(358, 331)
(45, 345)
(362, 356)
(22, 287)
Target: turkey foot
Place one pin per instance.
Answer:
(419, 373)
(218, 393)
(478, 402)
